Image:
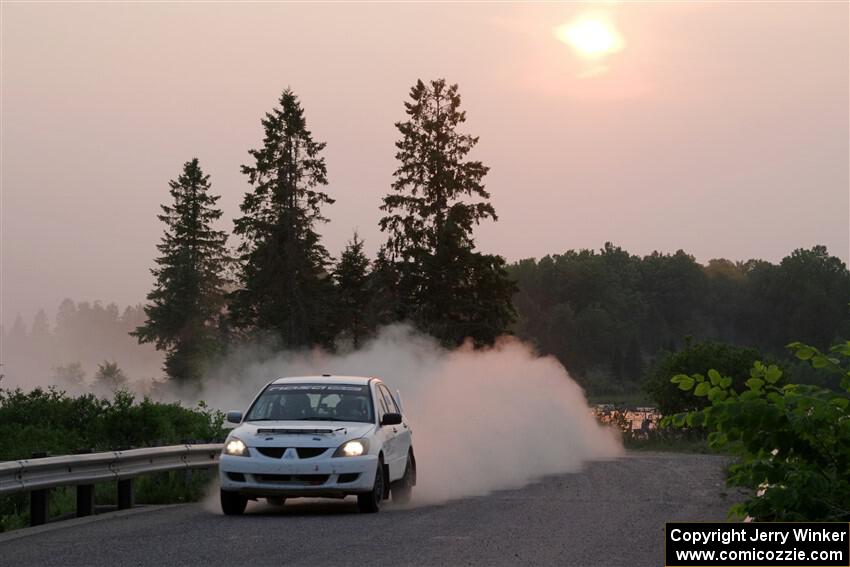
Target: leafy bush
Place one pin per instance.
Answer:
(793, 440)
(650, 436)
(52, 422)
(730, 360)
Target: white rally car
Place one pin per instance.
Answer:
(318, 436)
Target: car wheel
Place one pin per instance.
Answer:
(402, 490)
(276, 500)
(370, 502)
(232, 503)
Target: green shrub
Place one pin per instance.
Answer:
(793, 440)
(52, 422)
(729, 360)
(651, 437)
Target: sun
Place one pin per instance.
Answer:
(591, 37)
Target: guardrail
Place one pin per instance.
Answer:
(38, 476)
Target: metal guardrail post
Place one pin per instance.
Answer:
(125, 494)
(41, 473)
(39, 499)
(85, 492)
(38, 506)
(85, 500)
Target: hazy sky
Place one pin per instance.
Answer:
(721, 129)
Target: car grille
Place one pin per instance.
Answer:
(348, 477)
(303, 452)
(308, 479)
(273, 452)
(310, 452)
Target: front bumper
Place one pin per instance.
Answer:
(321, 477)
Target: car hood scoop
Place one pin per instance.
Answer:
(296, 431)
(292, 434)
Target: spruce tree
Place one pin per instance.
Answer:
(386, 303)
(451, 290)
(40, 328)
(70, 376)
(109, 377)
(285, 285)
(188, 296)
(352, 292)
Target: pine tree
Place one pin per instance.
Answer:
(352, 279)
(451, 291)
(386, 301)
(65, 317)
(70, 376)
(16, 347)
(40, 328)
(285, 286)
(188, 294)
(18, 332)
(109, 377)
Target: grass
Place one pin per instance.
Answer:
(161, 488)
(667, 443)
(651, 436)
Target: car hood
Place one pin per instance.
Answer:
(300, 433)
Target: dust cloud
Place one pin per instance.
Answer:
(483, 419)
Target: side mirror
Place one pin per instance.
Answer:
(234, 417)
(391, 419)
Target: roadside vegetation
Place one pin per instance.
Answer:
(664, 397)
(49, 422)
(792, 440)
(641, 429)
(617, 320)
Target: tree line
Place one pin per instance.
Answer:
(619, 322)
(79, 350)
(609, 316)
(285, 287)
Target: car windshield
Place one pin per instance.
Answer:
(313, 402)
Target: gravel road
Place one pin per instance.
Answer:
(610, 514)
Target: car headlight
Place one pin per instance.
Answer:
(236, 448)
(353, 448)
